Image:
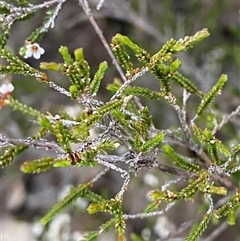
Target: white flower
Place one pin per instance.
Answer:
(34, 50)
(6, 88)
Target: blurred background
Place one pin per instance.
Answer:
(150, 23)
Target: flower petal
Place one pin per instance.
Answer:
(36, 55)
(41, 50)
(28, 53)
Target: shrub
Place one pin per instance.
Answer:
(192, 153)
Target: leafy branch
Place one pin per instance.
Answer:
(123, 122)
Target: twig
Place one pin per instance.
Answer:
(176, 171)
(151, 214)
(87, 10)
(31, 142)
(226, 119)
(144, 162)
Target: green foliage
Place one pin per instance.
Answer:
(140, 53)
(122, 56)
(123, 121)
(16, 105)
(91, 236)
(37, 166)
(153, 142)
(11, 13)
(189, 41)
(4, 36)
(112, 206)
(200, 228)
(229, 207)
(214, 145)
(78, 72)
(209, 97)
(184, 82)
(4, 9)
(95, 84)
(136, 91)
(73, 195)
(48, 22)
(17, 66)
(59, 130)
(10, 153)
(178, 160)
